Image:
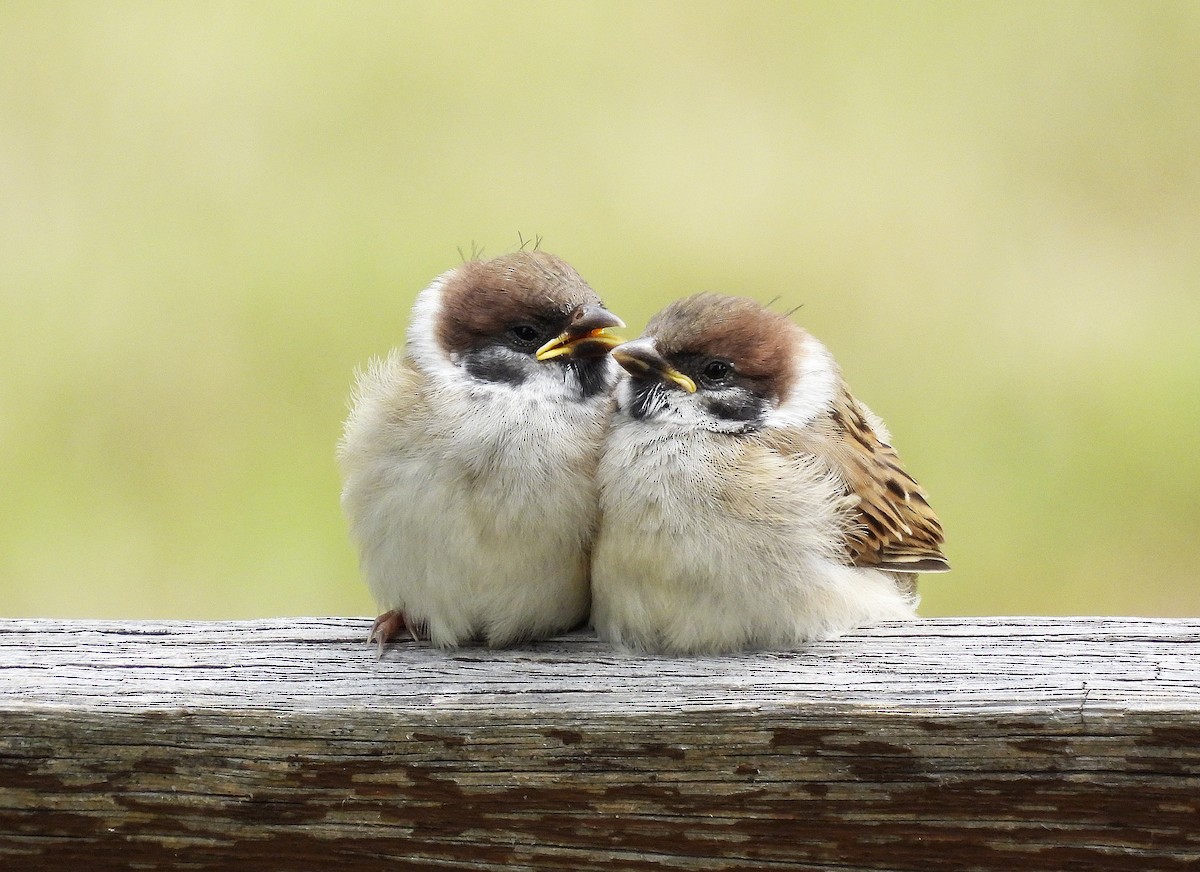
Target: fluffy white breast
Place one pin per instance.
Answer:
(710, 542)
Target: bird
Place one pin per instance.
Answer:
(468, 458)
(748, 501)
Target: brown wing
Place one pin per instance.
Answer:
(892, 525)
(889, 523)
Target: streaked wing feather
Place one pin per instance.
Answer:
(893, 526)
(889, 522)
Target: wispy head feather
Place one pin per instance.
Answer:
(535, 242)
(476, 253)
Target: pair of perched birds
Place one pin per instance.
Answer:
(712, 486)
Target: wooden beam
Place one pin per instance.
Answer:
(980, 744)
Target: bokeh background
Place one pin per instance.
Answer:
(210, 213)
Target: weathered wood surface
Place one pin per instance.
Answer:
(992, 744)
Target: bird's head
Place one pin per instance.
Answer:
(725, 364)
(517, 320)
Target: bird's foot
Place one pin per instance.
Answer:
(388, 627)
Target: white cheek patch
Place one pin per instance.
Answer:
(812, 390)
(421, 340)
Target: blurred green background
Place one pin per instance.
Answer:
(210, 213)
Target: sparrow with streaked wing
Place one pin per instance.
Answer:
(469, 458)
(748, 500)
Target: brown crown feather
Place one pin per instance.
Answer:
(483, 298)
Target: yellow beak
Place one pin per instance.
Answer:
(586, 336)
(643, 360)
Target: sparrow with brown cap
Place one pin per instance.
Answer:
(748, 500)
(469, 457)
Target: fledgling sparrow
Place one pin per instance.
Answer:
(469, 458)
(748, 500)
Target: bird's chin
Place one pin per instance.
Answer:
(594, 375)
(645, 400)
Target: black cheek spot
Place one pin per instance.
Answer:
(494, 365)
(738, 405)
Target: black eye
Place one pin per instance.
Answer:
(524, 333)
(715, 370)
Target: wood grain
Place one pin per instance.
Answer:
(980, 744)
